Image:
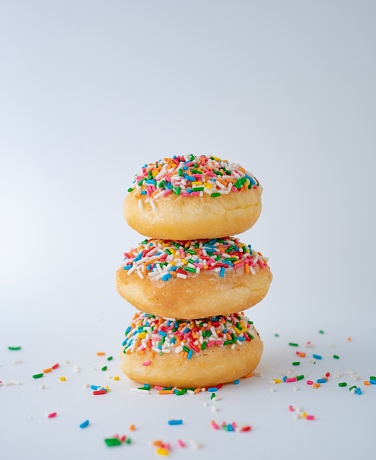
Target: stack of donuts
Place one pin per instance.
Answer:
(189, 279)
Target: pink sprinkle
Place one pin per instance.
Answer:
(184, 194)
(181, 443)
(146, 363)
(310, 417)
(291, 408)
(167, 192)
(291, 379)
(211, 343)
(158, 387)
(214, 425)
(195, 193)
(309, 382)
(52, 415)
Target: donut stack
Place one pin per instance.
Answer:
(189, 280)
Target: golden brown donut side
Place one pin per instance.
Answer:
(206, 294)
(184, 218)
(208, 368)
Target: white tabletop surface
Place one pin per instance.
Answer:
(89, 92)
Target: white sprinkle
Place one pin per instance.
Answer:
(271, 390)
(42, 387)
(190, 392)
(194, 444)
(144, 392)
(206, 404)
(141, 205)
(76, 369)
(295, 389)
(152, 203)
(87, 385)
(18, 362)
(216, 398)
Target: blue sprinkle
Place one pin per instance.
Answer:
(185, 167)
(95, 387)
(190, 354)
(143, 192)
(127, 267)
(211, 389)
(372, 382)
(138, 257)
(84, 424)
(222, 272)
(162, 333)
(321, 380)
(241, 339)
(166, 277)
(236, 382)
(175, 422)
(230, 427)
(316, 356)
(186, 330)
(284, 378)
(358, 391)
(124, 342)
(128, 329)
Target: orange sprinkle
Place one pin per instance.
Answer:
(301, 354)
(132, 428)
(166, 392)
(101, 353)
(246, 268)
(197, 390)
(248, 375)
(349, 339)
(366, 382)
(158, 443)
(46, 371)
(316, 385)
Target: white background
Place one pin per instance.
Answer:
(92, 90)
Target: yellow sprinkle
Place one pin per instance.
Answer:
(162, 451)
(108, 389)
(63, 379)
(277, 380)
(116, 377)
(197, 183)
(304, 414)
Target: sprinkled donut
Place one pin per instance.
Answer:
(207, 351)
(193, 279)
(186, 197)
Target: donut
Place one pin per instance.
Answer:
(186, 197)
(193, 279)
(188, 354)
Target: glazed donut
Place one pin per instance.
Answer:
(186, 197)
(193, 279)
(190, 354)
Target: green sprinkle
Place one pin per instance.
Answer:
(104, 368)
(143, 388)
(177, 190)
(372, 377)
(233, 336)
(296, 363)
(129, 441)
(110, 358)
(321, 331)
(299, 377)
(276, 335)
(147, 386)
(181, 392)
(292, 344)
(37, 376)
(190, 269)
(250, 336)
(186, 349)
(110, 442)
(14, 348)
(212, 396)
(214, 195)
(180, 171)
(228, 342)
(351, 388)
(168, 252)
(342, 384)
(204, 344)
(191, 251)
(335, 356)
(130, 189)
(198, 189)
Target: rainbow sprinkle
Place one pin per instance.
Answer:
(166, 259)
(191, 176)
(187, 338)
